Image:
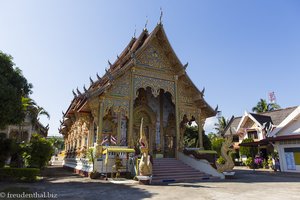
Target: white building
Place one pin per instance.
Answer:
(24, 131)
(275, 130)
(286, 139)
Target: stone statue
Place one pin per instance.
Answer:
(145, 166)
(117, 166)
(225, 153)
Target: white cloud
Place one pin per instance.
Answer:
(209, 125)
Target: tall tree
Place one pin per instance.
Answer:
(13, 86)
(191, 138)
(221, 125)
(263, 106)
(34, 111)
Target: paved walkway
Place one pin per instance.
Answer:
(246, 184)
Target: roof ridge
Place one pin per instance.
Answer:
(253, 113)
(278, 110)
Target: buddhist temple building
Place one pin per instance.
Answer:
(146, 81)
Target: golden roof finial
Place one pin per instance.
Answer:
(134, 34)
(185, 66)
(79, 93)
(145, 28)
(161, 15)
(99, 78)
(91, 80)
(75, 95)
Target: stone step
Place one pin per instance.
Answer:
(176, 180)
(175, 170)
(170, 174)
(166, 162)
(170, 165)
(57, 162)
(172, 170)
(180, 177)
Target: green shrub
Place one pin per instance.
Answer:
(22, 174)
(206, 152)
(270, 162)
(249, 162)
(248, 151)
(91, 156)
(265, 164)
(191, 138)
(216, 144)
(206, 142)
(221, 160)
(38, 152)
(209, 155)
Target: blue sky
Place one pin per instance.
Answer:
(238, 50)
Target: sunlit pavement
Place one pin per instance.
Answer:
(247, 184)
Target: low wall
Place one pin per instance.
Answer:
(201, 165)
(79, 165)
(83, 167)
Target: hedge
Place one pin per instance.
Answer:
(20, 174)
(208, 155)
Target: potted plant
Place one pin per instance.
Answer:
(265, 164)
(91, 157)
(270, 162)
(258, 162)
(249, 163)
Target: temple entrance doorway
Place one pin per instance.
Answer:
(170, 137)
(158, 113)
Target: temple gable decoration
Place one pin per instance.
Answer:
(146, 81)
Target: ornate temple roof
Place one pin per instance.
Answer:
(126, 60)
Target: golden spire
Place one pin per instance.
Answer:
(145, 28)
(161, 15)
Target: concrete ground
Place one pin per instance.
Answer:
(247, 184)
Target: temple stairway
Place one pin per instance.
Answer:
(168, 170)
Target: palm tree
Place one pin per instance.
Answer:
(35, 111)
(30, 108)
(221, 125)
(263, 106)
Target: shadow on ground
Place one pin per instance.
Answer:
(68, 185)
(246, 176)
(252, 176)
